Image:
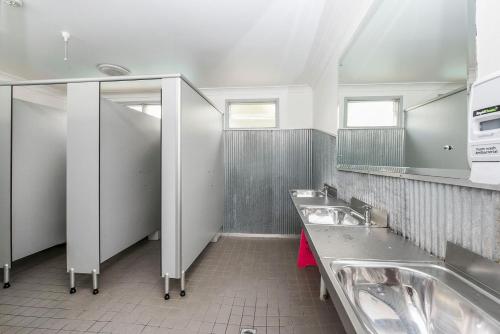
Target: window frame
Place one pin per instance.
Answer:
(399, 111)
(250, 101)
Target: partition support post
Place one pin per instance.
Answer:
(95, 286)
(6, 276)
(167, 287)
(183, 283)
(72, 286)
(323, 294)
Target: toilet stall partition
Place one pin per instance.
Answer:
(127, 175)
(5, 181)
(192, 177)
(114, 176)
(32, 172)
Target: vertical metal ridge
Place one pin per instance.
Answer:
(427, 213)
(260, 167)
(371, 147)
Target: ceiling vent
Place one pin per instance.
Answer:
(113, 70)
(14, 3)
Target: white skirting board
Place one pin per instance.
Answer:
(192, 175)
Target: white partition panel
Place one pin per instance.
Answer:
(5, 181)
(83, 177)
(192, 175)
(170, 177)
(130, 177)
(38, 178)
(202, 174)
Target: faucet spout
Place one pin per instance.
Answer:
(368, 214)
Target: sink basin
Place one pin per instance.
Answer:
(390, 297)
(307, 193)
(331, 215)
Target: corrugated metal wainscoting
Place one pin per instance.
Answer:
(260, 167)
(376, 147)
(427, 213)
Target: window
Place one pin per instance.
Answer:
(372, 112)
(149, 109)
(252, 114)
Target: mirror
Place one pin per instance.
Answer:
(403, 89)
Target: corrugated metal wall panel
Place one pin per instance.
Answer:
(324, 159)
(260, 167)
(371, 147)
(427, 213)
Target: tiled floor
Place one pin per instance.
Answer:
(236, 283)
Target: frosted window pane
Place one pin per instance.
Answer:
(372, 113)
(252, 115)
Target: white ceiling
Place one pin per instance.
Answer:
(410, 41)
(214, 43)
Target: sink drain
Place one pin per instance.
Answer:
(248, 331)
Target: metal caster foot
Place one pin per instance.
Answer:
(95, 285)
(183, 283)
(323, 293)
(167, 286)
(72, 288)
(6, 276)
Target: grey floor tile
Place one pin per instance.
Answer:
(235, 283)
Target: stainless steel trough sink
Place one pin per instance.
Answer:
(331, 215)
(307, 193)
(390, 297)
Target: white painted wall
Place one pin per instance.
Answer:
(488, 36)
(343, 26)
(130, 177)
(412, 93)
(38, 178)
(295, 102)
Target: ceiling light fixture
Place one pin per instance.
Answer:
(112, 69)
(14, 3)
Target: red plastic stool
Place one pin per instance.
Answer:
(306, 257)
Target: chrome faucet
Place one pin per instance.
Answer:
(329, 191)
(368, 214)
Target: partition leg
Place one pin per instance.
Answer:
(183, 283)
(6, 276)
(323, 294)
(95, 285)
(72, 287)
(167, 287)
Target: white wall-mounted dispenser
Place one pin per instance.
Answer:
(484, 130)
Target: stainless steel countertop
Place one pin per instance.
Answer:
(345, 242)
(330, 243)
